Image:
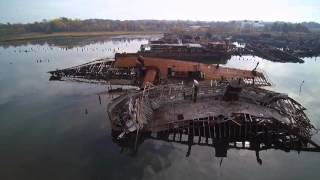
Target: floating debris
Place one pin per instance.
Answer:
(99, 99)
(300, 87)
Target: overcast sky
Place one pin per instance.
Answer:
(208, 10)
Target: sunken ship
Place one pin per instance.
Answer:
(224, 115)
(133, 69)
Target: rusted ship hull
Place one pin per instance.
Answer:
(132, 69)
(208, 58)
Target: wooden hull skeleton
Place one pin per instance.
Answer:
(209, 113)
(97, 71)
(131, 69)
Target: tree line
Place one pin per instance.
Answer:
(95, 25)
(286, 27)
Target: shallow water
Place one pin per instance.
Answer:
(59, 130)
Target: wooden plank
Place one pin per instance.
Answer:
(209, 128)
(199, 135)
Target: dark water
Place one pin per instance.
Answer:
(59, 130)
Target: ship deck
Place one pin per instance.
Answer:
(205, 108)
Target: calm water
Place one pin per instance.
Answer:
(59, 130)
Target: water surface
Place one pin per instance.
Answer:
(59, 130)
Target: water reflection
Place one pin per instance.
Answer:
(260, 141)
(69, 43)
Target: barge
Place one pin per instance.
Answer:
(212, 52)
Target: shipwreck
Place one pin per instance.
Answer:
(198, 47)
(133, 69)
(212, 52)
(207, 113)
(194, 103)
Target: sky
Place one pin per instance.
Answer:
(27, 11)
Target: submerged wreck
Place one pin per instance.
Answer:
(268, 52)
(223, 115)
(133, 69)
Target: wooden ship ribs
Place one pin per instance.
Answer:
(97, 71)
(211, 114)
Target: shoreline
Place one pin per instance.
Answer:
(68, 35)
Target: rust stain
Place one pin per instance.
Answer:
(149, 76)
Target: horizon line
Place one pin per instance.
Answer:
(146, 19)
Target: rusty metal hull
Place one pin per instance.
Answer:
(127, 70)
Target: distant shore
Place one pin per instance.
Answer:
(58, 35)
